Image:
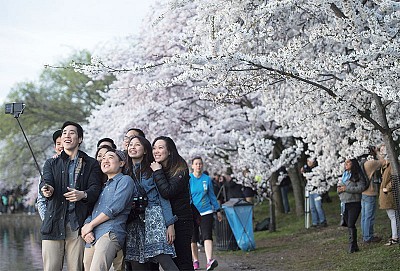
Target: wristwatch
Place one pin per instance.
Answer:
(85, 197)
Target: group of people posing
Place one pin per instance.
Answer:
(130, 208)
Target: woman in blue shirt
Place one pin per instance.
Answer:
(203, 198)
(104, 230)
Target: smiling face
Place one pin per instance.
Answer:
(128, 136)
(111, 165)
(136, 150)
(160, 152)
(70, 139)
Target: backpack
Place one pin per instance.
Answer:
(364, 174)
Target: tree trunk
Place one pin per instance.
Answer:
(298, 188)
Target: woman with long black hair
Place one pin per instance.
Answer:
(171, 174)
(349, 189)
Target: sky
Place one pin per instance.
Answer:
(38, 32)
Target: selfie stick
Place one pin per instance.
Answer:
(17, 109)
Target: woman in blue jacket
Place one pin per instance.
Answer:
(203, 198)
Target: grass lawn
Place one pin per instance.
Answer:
(292, 247)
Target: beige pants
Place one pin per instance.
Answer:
(119, 263)
(100, 256)
(53, 252)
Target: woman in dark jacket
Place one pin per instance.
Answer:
(350, 188)
(171, 175)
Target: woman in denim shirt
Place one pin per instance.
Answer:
(152, 240)
(104, 230)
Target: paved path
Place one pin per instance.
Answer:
(222, 265)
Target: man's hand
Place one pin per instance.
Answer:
(74, 195)
(47, 190)
(89, 238)
(86, 229)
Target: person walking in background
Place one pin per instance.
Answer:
(317, 212)
(104, 230)
(41, 202)
(349, 189)
(171, 174)
(150, 240)
(72, 183)
(203, 198)
(372, 168)
(387, 202)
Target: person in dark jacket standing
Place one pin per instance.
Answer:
(71, 183)
(171, 174)
(349, 189)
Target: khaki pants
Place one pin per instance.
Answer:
(100, 256)
(53, 252)
(119, 263)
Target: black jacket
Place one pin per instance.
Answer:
(176, 190)
(55, 173)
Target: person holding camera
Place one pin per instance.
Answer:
(150, 234)
(104, 230)
(71, 183)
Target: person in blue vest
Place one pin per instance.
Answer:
(205, 201)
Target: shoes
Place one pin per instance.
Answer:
(211, 264)
(323, 224)
(374, 239)
(392, 242)
(196, 265)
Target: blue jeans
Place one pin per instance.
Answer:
(368, 207)
(317, 213)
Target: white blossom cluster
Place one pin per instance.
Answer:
(312, 75)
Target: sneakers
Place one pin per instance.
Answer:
(212, 264)
(392, 242)
(196, 265)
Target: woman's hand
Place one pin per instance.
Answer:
(155, 166)
(341, 188)
(171, 234)
(219, 216)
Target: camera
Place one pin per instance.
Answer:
(139, 204)
(15, 109)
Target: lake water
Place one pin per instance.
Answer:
(20, 244)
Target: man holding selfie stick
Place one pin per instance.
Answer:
(71, 183)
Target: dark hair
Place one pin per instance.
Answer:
(56, 135)
(78, 127)
(107, 139)
(197, 158)
(175, 162)
(102, 147)
(140, 132)
(355, 170)
(144, 169)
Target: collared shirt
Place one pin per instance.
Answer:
(71, 217)
(115, 201)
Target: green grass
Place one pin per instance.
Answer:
(292, 247)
